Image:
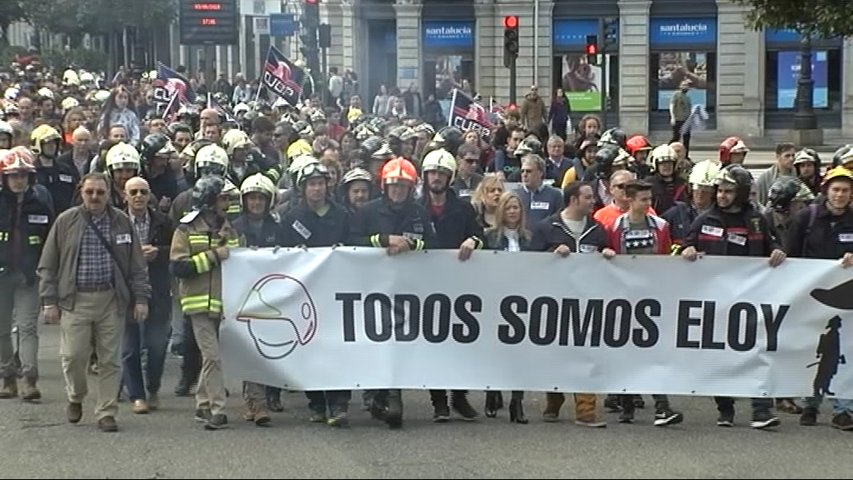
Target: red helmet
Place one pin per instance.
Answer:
(637, 143)
(729, 146)
(398, 170)
(17, 160)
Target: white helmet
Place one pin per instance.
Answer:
(101, 96)
(241, 107)
(69, 103)
(234, 139)
(45, 92)
(70, 78)
(704, 173)
(122, 155)
(439, 160)
(86, 77)
(6, 127)
(259, 183)
(211, 156)
(11, 93)
(663, 153)
(355, 175)
(299, 162)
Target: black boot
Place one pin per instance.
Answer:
(394, 417)
(461, 405)
(494, 402)
(516, 408)
(441, 412)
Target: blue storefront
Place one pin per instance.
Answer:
(782, 69)
(448, 56)
(681, 48)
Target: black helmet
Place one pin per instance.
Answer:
(449, 138)
(740, 178)
(604, 158)
(152, 144)
(782, 193)
(206, 191)
(614, 136)
(371, 145)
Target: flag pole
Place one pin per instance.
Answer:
(452, 105)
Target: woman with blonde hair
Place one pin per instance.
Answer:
(485, 199)
(73, 118)
(509, 234)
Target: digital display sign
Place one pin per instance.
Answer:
(209, 22)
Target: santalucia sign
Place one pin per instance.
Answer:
(350, 318)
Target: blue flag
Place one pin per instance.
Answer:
(467, 114)
(168, 83)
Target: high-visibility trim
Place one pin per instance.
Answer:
(201, 302)
(34, 240)
(375, 241)
(234, 242)
(201, 262)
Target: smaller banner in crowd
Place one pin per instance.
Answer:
(283, 77)
(466, 114)
(169, 83)
(223, 112)
(356, 318)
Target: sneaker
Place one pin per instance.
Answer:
(261, 417)
(809, 417)
(140, 407)
(340, 419)
(764, 420)
(842, 421)
(31, 392)
(107, 424)
(666, 417)
(441, 414)
(317, 417)
(74, 412)
(726, 418)
(460, 405)
(611, 403)
(202, 415)
(590, 423)
(216, 422)
(627, 416)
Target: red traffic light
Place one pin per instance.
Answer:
(592, 49)
(511, 21)
(311, 2)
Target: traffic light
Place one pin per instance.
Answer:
(325, 35)
(510, 40)
(591, 49)
(610, 31)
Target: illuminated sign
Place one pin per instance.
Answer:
(209, 23)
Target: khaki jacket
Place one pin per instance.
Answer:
(57, 269)
(196, 266)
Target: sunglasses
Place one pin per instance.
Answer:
(94, 193)
(137, 191)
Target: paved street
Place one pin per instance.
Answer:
(36, 441)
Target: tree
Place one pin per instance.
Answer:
(10, 11)
(822, 18)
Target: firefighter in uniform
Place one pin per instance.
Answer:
(200, 245)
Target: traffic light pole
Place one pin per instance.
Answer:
(512, 81)
(605, 105)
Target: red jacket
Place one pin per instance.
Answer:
(658, 233)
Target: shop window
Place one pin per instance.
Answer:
(782, 74)
(582, 83)
(669, 69)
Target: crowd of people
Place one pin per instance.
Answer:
(109, 212)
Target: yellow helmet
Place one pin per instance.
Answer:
(41, 135)
(836, 173)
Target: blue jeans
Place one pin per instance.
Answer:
(839, 405)
(153, 336)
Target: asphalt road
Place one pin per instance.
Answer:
(36, 441)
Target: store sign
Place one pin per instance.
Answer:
(448, 34)
(572, 33)
(788, 71)
(682, 31)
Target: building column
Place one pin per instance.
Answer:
(634, 65)
(349, 29)
(488, 50)
(847, 88)
(740, 68)
(331, 12)
(408, 41)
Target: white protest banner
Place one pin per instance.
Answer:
(354, 318)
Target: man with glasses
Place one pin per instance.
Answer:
(538, 200)
(467, 177)
(155, 231)
(93, 281)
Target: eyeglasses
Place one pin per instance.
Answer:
(94, 193)
(137, 191)
(617, 185)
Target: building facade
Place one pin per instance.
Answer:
(745, 78)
